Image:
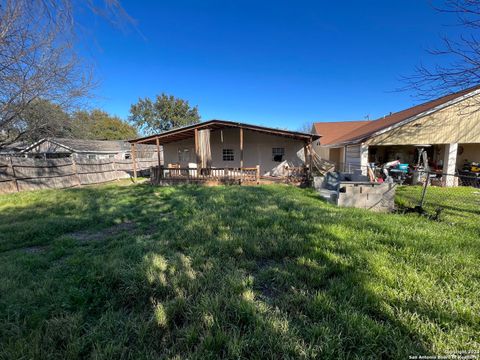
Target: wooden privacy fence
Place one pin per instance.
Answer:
(21, 174)
(166, 175)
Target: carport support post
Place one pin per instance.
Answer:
(449, 165)
(364, 158)
(310, 156)
(241, 148)
(197, 154)
(305, 154)
(134, 161)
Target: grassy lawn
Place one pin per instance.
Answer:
(459, 204)
(235, 272)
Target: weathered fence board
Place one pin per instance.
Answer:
(7, 186)
(39, 183)
(6, 173)
(96, 178)
(21, 174)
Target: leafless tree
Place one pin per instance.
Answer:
(306, 127)
(460, 57)
(38, 59)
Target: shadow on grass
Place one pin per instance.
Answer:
(232, 272)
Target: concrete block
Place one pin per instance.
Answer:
(318, 182)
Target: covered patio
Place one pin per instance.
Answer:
(450, 162)
(228, 152)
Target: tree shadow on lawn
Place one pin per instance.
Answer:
(235, 272)
(310, 288)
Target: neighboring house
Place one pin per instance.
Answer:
(50, 148)
(228, 144)
(450, 126)
(330, 131)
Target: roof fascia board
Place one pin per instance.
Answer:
(225, 123)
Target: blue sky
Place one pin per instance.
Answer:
(274, 63)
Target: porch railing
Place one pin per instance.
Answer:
(159, 174)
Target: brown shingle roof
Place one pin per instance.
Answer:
(335, 129)
(371, 127)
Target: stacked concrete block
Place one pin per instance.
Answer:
(354, 190)
(372, 196)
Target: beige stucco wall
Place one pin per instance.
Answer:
(257, 149)
(458, 123)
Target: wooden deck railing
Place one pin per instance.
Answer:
(159, 174)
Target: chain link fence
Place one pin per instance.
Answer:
(432, 193)
(441, 195)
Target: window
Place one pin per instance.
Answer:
(278, 154)
(228, 155)
(91, 156)
(183, 155)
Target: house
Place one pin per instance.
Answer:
(50, 148)
(448, 128)
(221, 144)
(13, 149)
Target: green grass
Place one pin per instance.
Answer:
(231, 272)
(459, 204)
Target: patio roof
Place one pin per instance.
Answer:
(189, 131)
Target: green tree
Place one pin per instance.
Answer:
(40, 119)
(165, 113)
(99, 125)
(39, 61)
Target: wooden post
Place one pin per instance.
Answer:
(310, 156)
(158, 152)
(74, 166)
(159, 172)
(305, 154)
(14, 175)
(134, 162)
(197, 153)
(241, 148)
(257, 174)
(115, 169)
